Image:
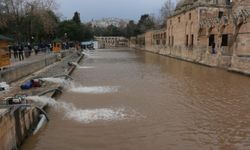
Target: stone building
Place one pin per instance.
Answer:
(111, 41)
(199, 25)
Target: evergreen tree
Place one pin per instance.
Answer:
(145, 23)
(76, 18)
(130, 29)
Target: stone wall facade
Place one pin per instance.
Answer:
(112, 41)
(213, 33)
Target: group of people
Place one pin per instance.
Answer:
(20, 51)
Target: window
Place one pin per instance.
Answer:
(192, 40)
(228, 2)
(189, 16)
(224, 41)
(179, 19)
(186, 40)
(220, 14)
(211, 39)
(164, 42)
(158, 42)
(169, 40)
(172, 40)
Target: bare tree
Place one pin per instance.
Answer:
(167, 10)
(19, 12)
(3, 16)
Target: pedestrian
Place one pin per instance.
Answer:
(26, 51)
(36, 49)
(30, 49)
(20, 50)
(15, 50)
(213, 48)
(50, 47)
(10, 51)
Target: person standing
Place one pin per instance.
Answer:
(20, 50)
(36, 49)
(30, 49)
(15, 50)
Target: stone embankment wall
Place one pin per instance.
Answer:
(17, 72)
(17, 123)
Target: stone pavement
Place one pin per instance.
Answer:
(32, 58)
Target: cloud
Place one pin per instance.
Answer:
(97, 9)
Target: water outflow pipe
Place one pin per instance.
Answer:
(50, 91)
(40, 124)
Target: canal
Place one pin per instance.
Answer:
(131, 100)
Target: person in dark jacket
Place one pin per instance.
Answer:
(20, 52)
(15, 50)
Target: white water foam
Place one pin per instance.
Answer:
(94, 89)
(55, 80)
(84, 53)
(82, 67)
(92, 115)
(86, 67)
(73, 87)
(84, 115)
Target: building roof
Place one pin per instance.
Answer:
(183, 3)
(5, 38)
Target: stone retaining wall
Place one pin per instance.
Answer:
(17, 72)
(15, 125)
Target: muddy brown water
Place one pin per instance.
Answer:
(157, 103)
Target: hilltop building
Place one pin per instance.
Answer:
(111, 41)
(105, 22)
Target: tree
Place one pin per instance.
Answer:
(3, 16)
(87, 32)
(145, 23)
(130, 29)
(73, 30)
(166, 11)
(99, 31)
(19, 16)
(76, 18)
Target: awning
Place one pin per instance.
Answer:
(5, 38)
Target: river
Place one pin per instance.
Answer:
(133, 100)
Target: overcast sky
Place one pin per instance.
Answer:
(97, 9)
